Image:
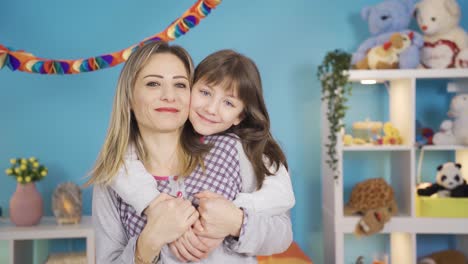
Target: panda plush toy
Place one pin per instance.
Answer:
(449, 182)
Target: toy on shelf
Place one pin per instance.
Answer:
(445, 257)
(374, 200)
(424, 135)
(391, 136)
(449, 182)
(349, 140)
(373, 133)
(367, 130)
(380, 258)
(445, 42)
(455, 132)
(386, 56)
(384, 20)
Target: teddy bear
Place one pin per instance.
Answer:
(449, 182)
(445, 42)
(386, 56)
(454, 132)
(384, 19)
(445, 257)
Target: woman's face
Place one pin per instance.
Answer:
(214, 109)
(161, 94)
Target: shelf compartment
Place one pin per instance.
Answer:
(412, 225)
(366, 247)
(398, 246)
(377, 148)
(431, 243)
(441, 207)
(383, 75)
(444, 148)
(394, 166)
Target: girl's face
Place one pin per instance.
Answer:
(214, 109)
(161, 94)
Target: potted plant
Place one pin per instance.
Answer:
(333, 77)
(26, 203)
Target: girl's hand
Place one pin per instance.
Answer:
(219, 217)
(191, 247)
(169, 218)
(188, 247)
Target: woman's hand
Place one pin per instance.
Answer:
(219, 217)
(191, 247)
(168, 219)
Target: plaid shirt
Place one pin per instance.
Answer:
(222, 176)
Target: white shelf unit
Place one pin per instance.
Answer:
(404, 228)
(21, 238)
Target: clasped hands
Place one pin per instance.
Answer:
(195, 234)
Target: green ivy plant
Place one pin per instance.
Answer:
(333, 76)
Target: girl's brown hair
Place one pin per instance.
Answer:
(236, 71)
(123, 128)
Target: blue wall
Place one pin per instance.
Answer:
(63, 119)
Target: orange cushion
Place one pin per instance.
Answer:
(293, 255)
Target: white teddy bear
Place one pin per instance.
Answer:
(445, 42)
(455, 132)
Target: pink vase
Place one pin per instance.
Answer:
(26, 205)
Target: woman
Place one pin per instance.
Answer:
(149, 117)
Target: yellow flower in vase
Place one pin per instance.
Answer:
(26, 170)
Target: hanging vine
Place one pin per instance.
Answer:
(332, 73)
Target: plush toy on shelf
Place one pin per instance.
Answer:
(349, 140)
(445, 257)
(374, 199)
(424, 135)
(449, 182)
(455, 132)
(391, 135)
(386, 56)
(385, 19)
(445, 42)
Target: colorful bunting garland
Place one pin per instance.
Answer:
(27, 62)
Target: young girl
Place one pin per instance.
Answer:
(226, 97)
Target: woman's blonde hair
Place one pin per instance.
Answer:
(123, 128)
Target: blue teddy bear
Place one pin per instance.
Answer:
(385, 19)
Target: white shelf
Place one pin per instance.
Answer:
(46, 229)
(20, 237)
(444, 148)
(348, 224)
(409, 224)
(381, 75)
(377, 148)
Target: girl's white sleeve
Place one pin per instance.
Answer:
(135, 185)
(276, 195)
